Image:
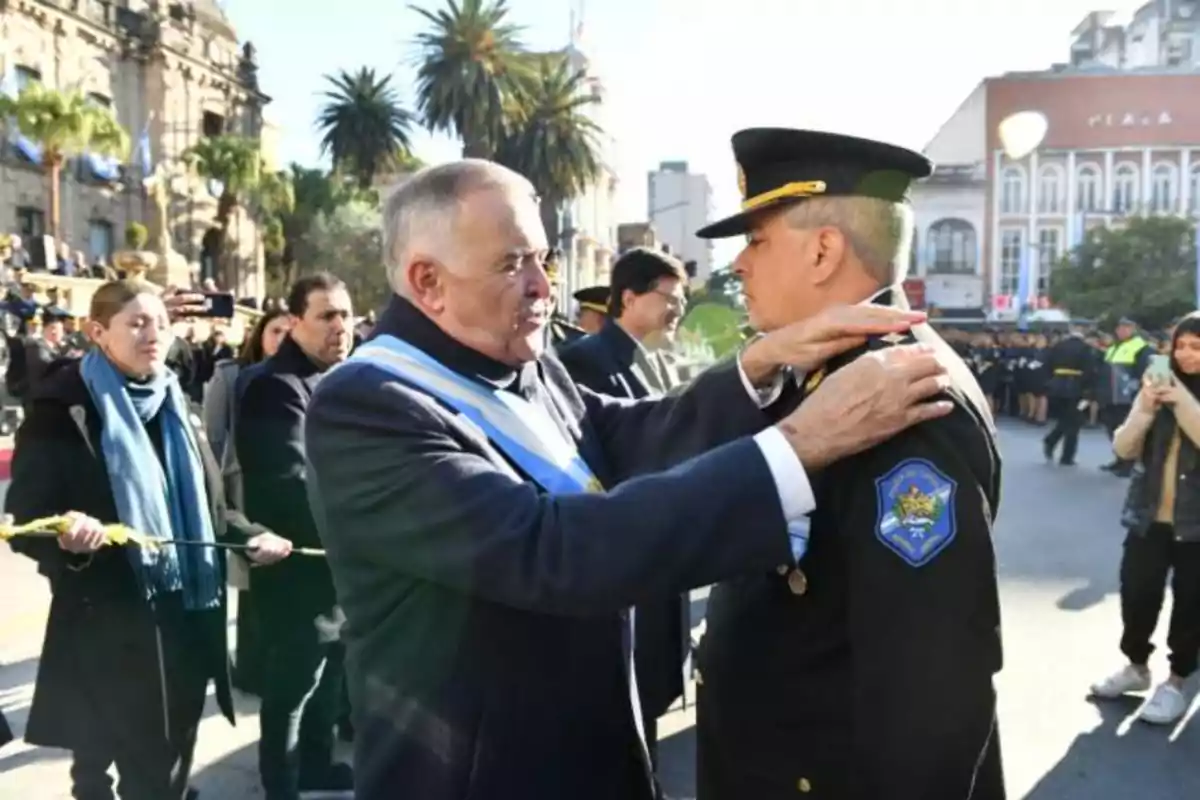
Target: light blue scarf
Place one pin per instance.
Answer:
(170, 503)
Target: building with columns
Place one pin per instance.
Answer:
(173, 71)
(1121, 141)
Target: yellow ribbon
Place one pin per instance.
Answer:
(115, 535)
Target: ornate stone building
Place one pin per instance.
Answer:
(173, 72)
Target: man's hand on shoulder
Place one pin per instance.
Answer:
(808, 344)
(866, 402)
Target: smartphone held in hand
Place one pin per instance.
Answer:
(1158, 373)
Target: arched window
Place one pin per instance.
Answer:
(1194, 189)
(1125, 188)
(1164, 187)
(1051, 189)
(1088, 188)
(1012, 191)
(950, 247)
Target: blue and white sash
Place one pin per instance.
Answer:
(521, 430)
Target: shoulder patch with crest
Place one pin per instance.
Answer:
(915, 514)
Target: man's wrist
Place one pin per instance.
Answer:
(808, 445)
(759, 367)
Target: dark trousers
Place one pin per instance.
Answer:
(1068, 419)
(247, 673)
(301, 685)
(153, 751)
(1144, 567)
(1112, 417)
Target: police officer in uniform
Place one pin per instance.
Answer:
(865, 671)
(560, 330)
(593, 308)
(1070, 365)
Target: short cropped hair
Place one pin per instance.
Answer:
(879, 231)
(297, 299)
(639, 270)
(428, 201)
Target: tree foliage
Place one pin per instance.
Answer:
(347, 241)
(365, 130)
(1145, 269)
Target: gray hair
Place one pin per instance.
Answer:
(427, 203)
(879, 231)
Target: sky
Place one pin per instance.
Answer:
(683, 75)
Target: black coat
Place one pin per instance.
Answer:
(868, 675)
(1071, 369)
(58, 467)
(269, 436)
(604, 363)
(484, 637)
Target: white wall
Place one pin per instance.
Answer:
(962, 139)
(678, 206)
(931, 203)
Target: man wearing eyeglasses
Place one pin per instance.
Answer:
(646, 303)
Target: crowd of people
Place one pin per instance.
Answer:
(477, 525)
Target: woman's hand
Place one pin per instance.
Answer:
(268, 548)
(84, 535)
(1152, 396)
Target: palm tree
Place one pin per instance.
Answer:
(551, 140)
(363, 124)
(467, 66)
(64, 125)
(235, 164)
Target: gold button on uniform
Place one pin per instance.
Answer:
(804, 786)
(798, 582)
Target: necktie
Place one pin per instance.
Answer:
(647, 366)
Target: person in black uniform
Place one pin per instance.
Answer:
(560, 331)
(1071, 367)
(593, 308)
(865, 672)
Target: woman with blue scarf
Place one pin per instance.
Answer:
(134, 635)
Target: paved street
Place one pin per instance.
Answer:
(1058, 544)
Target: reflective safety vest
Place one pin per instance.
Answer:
(1121, 358)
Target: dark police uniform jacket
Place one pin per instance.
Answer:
(1071, 368)
(486, 653)
(604, 362)
(875, 682)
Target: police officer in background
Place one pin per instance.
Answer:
(865, 672)
(1070, 364)
(593, 308)
(560, 331)
(1126, 360)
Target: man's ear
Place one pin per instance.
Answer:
(829, 252)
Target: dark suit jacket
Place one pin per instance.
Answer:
(39, 355)
(269, 437)
(484, 633)
(604, 363)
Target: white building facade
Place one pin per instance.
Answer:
(679, 204)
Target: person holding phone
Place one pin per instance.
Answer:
(1162, 516)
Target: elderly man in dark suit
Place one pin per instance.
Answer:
(457, 477)
(647, 302)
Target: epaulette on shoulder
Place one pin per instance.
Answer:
(890, 340)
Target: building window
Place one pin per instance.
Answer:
(1049, 254)
(1194, 188)
(950, 247)
(1012, 191)
(100, 240)
(1012, 245)
(1051, 187)
(1164, 187)
(1125, 188)
(212, 124)
(30, 222)
(1087, 186)
(26, 76)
